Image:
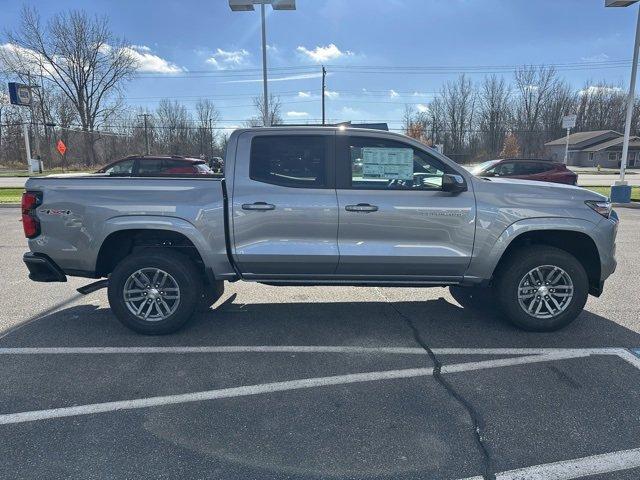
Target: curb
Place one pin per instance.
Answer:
(9, 205)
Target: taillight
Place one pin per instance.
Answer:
(30, 222)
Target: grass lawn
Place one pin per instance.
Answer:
(606, 191)
(24, 173)
(11, 195)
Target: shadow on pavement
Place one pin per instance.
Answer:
(441, 324)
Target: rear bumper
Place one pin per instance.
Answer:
(42, 268)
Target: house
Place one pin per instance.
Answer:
(590, 149)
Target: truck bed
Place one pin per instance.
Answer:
(78, 213)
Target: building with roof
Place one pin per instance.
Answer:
(590, 149)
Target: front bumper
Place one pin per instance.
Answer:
(42, 268)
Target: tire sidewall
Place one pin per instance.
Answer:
(180, 267)
(507, 291)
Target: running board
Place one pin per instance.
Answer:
(93, 287)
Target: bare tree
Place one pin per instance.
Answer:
(458, 105)
(601, 105)
(206, 117)
(562, 101)
(415, 124)
(494, 114)
(78, 53)
(534, 85)
(174, 124)
(275, 108)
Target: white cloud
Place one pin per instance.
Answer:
(150, 63)
(304, 94)
(301, 76)
(418, 94)
(15, 53)
(393, 94)
(600, 57)
(141, 48)
(599, 89)
(294, 114)
(351, 112)
(141, 54)
(323, 54)
(331, 95)
(422, 108)
(224, 59)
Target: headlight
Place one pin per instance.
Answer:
(603, 208)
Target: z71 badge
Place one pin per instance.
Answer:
(53, 211)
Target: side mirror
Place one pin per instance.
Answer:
(453, 183)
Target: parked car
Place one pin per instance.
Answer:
(157, 165)
(540, 170)
(293, 210)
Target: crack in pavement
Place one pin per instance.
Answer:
(476, 418)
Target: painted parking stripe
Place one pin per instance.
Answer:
(577, 468)
(304, 349)
(30, 416)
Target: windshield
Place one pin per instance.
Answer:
(478, 169)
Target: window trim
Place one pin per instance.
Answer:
(329, 160)
(343, 164)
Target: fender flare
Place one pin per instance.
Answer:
(155, 222)
(485, 269)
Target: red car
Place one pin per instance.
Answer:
(541, 170)
(157, 166)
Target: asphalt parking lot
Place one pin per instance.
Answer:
(310, 383)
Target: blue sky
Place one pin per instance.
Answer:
(193, 48)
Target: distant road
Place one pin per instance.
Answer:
(583, 179)
(12, 181)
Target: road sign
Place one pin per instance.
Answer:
(569, 121)
(20, 94)
(61, 147)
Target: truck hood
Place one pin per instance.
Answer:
(526, 187)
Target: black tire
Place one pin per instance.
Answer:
(523, 261)
(210, 295)
(181, 269)
(477, 298)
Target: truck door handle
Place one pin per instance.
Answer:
(361, 207)
(262, 206)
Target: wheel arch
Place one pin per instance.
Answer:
(572, 237)
(125, 235)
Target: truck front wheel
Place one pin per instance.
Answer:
(154, 291)
(542, 288)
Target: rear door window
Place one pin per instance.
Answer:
(149, 166)
(290, 160)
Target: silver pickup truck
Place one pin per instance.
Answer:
(321, 206)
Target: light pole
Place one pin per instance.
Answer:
(620, 191)
(248, 5)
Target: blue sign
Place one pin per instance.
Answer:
(20, 94)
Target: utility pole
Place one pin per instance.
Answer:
(210, 138)
(34, 122)
(324, 74)
(266, 120)
(146, 132)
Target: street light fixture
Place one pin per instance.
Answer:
(620, 191)
(247, 6)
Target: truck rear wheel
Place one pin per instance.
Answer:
(154, 291)
(542, 288)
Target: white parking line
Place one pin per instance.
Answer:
(248, 390)
(308, 349)
(577, 468)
